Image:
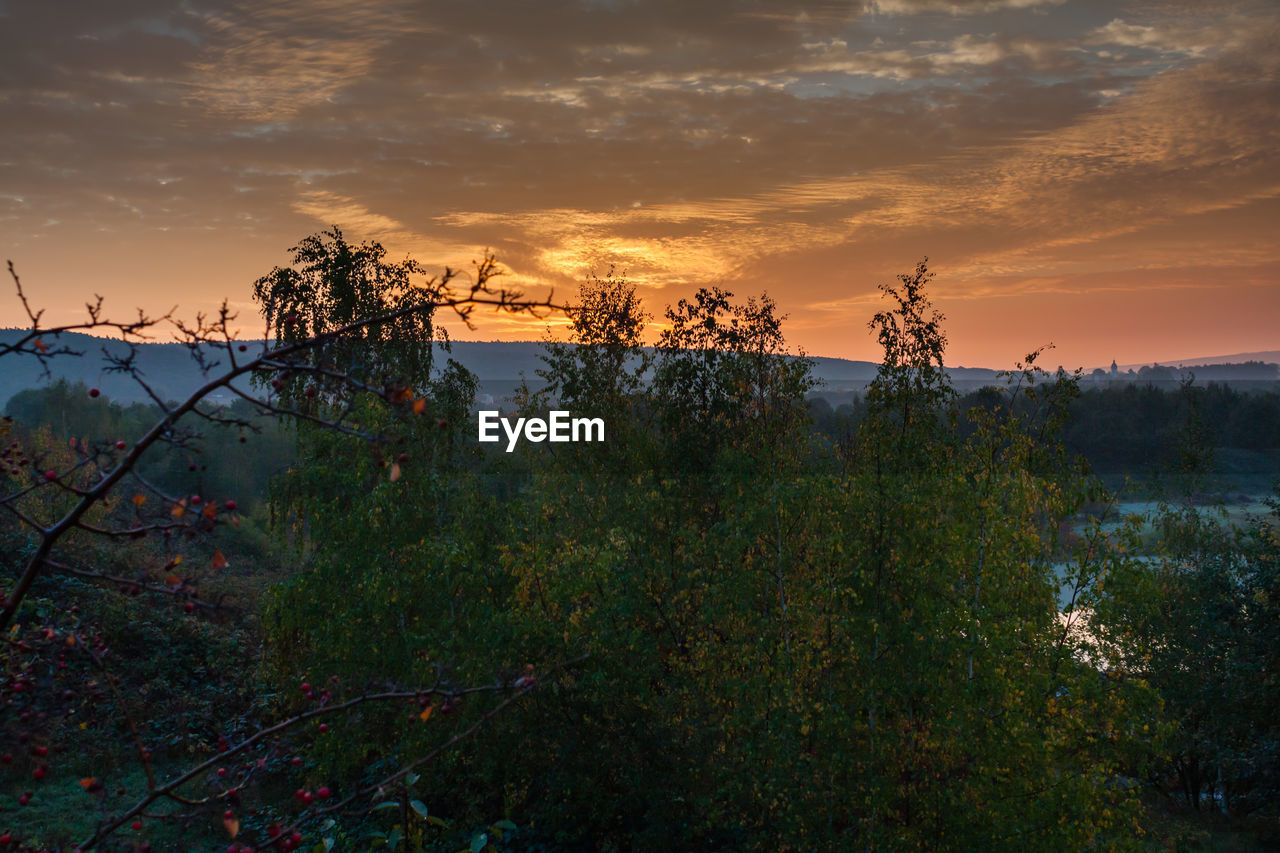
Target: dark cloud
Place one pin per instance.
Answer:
(812, 147)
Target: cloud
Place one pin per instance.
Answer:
(955, 7)
(802, 146)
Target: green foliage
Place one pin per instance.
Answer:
(744, 635)
(603, 363)
(225, 463)
(787, 649)
(1198, 621)
(333, 283)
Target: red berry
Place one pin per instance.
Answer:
(120, 445)
(41, 751)
(50, 476)
(23, 800)
(195, 499)
(307, 797)
(324, 727)
(229, 814)
(296, 837)
(323, 793)
(6, 839)
(93, 392)
(299, 793)
(306, 687)
(222, 771)
(38, 773)
(189, 607)
(230, 505)
(137, 824)
(297, 762)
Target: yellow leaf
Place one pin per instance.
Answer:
(178, 510)
(395, 471)
(173, 580)
(426, 712)
(232, 825)
(219, 560)
(139, 499)
(210, 510)
(419, 406)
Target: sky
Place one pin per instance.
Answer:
(1102, 176)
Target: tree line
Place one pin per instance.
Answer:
(729, 626)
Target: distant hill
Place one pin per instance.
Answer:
(1270, 356)
(168, 368)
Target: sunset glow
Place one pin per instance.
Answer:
(1102, 176)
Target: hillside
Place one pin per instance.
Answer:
(168, 368)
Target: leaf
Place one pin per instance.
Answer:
(39, 344)
(386, 805)
(419, 807)
(219, 561)
(87, 782)
(426, 713)
(478, 842)
(395, 471)
(210, 510)
(507, 825)
(232, 825)
(419, 406)
(179, 509)
(173, 580)
(139, 499)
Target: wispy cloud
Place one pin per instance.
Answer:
(1036, 148)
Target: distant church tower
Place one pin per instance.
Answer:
(1115, 371)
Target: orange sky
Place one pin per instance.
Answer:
(1104, 176)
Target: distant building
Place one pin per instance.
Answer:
(1115, 371)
